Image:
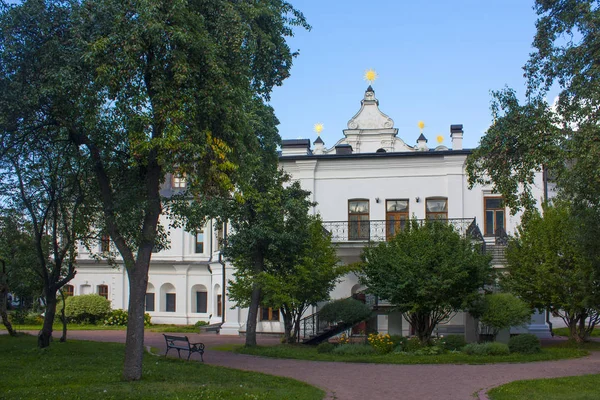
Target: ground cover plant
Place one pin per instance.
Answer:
(417, 354)
(587, 388)
(98, 375)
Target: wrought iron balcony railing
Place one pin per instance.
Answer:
(382, 230)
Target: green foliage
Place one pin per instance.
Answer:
(348, 311)
(453, 342)
(24, 317)
(383, 344)
(503, 310)
(88, 308)
(354, 349)
(200, 323)
(429, 351)
(550, 268)
(486, 349)
(526, 343)
(413, 344)
(581, 387)
(427, 271)
(119, 317)
(325, 347)
(398, 340)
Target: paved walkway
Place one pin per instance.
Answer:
(349, 381)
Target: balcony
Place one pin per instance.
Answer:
(381, 230)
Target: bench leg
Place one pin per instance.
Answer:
(202, 357)
(179, 353)
(167, 352)
(189, 355)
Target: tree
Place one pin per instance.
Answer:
(550, 268)
(149, 88)
(269, 234)
(308, 279)
(503, 310)
(427, 272)
(563, 139)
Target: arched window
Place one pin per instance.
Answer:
(168, 301)
(150, 298)
(199, 299)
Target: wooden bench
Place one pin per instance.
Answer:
(183, 343)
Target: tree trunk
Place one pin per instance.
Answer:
(63, 318)
(4, 301)
(134, 342)
(288, 324)
(253, 315)
(45, 334)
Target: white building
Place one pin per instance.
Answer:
(365, 186)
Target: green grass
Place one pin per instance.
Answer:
(303, 352)
(86, 370)
(87, 327)
(565, 332)
(585, 387)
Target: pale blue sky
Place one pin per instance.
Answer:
(437, 61)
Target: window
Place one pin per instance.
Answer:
(269, 314)
(105, 243)
(199, 249)
(103, 291)
(396, 215)
(436, 208)
(494, 215)
(358, 217)
(177, 181)
(219, 305)
(201, 302)
(170, 297)
(68, 290)
(149, 301)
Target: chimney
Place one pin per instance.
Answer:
(343, 149)
(456, 133)
(295, 147)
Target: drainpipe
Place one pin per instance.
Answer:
(223, 307)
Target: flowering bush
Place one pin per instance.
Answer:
(383, 344)
(344, 339)
(120, 318)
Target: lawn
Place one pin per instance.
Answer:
(85, 370)
(87, 327)
(303, 352)
(585, 387)
(565, 332)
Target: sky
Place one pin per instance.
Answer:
(436, 61)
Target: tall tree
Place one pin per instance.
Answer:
(151, 88)
(308, 278)
(551, 267)
(269, 231)
(563, 139)
(427, 272)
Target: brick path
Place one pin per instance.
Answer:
(349, 381)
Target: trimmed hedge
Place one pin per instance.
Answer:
(526, 344)
(88, 308)
(348, 311)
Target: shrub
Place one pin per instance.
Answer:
(453, 342)
(486, 349)
(354, 349)
(22, 317)
(116, 318)
(503, 310)
(525, 343)
(413, 344)
(382, 344)
(200, 323)
(398, 340)
(87, 308)
(348, 311)
(325, 347)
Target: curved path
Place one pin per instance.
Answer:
(349, 381)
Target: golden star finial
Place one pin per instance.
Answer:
(318, 128)
(370, 75)
(421, 125)
(440, 139)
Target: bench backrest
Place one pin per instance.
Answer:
(171, 340)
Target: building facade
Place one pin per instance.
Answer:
(366, 186)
